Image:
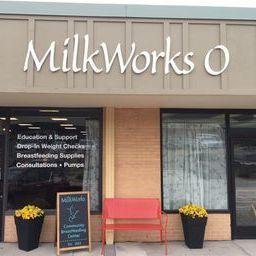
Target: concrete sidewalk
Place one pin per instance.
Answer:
(213, 248)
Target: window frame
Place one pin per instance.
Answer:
(34, 111)
(228, 151)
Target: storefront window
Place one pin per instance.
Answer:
(243, 121)
(194, 161)
(50, 154)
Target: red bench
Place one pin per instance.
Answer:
(131, 209)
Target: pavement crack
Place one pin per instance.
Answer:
(242, 249)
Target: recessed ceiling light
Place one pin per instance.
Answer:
(70, 128)
(66, 125)
(12, 118)
(25, 124)
(49, 110)
(34, 128)
(59, 119)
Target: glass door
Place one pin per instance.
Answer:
(244, 196)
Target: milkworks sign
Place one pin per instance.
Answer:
(151, 59)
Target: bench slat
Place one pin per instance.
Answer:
(136, 208)
(133, 226)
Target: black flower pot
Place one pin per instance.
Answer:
(194, 230)
(28, 232)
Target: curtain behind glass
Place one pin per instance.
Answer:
(194, 163)
(91, 177)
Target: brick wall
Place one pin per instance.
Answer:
(218, 228)
(137, 153)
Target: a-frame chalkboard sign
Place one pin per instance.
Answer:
(73, 221)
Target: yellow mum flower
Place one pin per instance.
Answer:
(29, 212)
(194, 211)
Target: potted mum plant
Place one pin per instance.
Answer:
(194, 219)
(29, 221)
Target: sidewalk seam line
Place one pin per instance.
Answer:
(242, 249)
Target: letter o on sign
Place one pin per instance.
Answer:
(207, 61)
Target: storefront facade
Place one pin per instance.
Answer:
(129, 101)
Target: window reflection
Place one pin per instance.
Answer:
(244, 166)
(243, 121)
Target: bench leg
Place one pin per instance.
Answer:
(164, 240)
(103, 242)
(165, 243)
